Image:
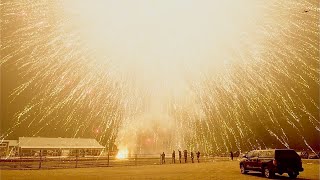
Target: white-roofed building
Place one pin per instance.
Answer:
(31, 146)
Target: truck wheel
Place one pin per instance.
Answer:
(266, 172)
(293, 174)
(243, 169)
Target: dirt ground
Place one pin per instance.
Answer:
(213, 170)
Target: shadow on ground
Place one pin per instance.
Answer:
(277, 176)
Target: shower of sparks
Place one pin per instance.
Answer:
(122, 154)
(249, 81)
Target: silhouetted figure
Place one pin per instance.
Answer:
(192, 157)
(198, 156)
(180, 156)
(185, 154)
(173, 157)
(304, 154)
(231, 155)
(163, 158)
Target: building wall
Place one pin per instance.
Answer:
(4, 149)
(60, 152)
(8, 151)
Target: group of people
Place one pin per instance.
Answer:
(185, 154)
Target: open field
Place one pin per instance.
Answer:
(212, 170)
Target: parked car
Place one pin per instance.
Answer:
(303, 154)
(314, 155)
(272, 161)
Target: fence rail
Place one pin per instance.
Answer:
(94, 161)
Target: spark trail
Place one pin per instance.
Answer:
(271, 98)
(69, 92)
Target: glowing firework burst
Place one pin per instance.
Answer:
(122, 153)
(270, 98)
(67, 89)
(214, 76)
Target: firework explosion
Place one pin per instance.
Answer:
(249, 78)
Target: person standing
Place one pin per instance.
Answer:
(173, 157)
(185, 153)
(163, 158)
(198, 156)
(192, 156)
(231, 155)
(180, 156)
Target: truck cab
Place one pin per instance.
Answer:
(269, 162)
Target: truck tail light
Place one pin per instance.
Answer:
(274, 162)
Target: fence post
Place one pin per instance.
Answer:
(108, 159)
(136, 159)
(20, 153)
(40, 159)
(59, 161)
(77, 154)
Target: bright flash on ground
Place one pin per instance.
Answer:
(122, 154)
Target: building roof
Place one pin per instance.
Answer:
(58, 143)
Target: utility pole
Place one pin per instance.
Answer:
(77, 154)
(40, 159)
